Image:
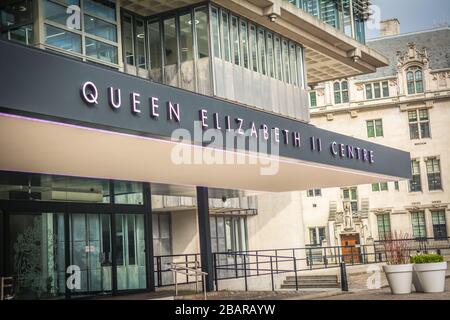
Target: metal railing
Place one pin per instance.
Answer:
(253, 263)
(195, 270)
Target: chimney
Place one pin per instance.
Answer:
(389, 27)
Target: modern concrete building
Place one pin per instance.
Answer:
(114, 124)
(404, 105)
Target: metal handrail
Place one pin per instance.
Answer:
(182, 268)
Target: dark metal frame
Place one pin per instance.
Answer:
(67, 208)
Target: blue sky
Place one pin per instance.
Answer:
(414, 15)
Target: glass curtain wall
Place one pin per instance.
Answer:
(173, 47)
(16, 21)
(338, 13)
(91, 36)
(256, 48)
(95, 228)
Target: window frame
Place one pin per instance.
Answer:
(417, 125)
(434, 178)
(421, 224)
(386, 232)
(414, 84)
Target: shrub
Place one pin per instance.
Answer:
(396, 248)
(427, 258)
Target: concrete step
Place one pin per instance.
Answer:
(314, 278)
(309, 282)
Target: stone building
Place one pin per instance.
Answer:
(404, 105)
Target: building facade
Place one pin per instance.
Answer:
(91, 180)
(404, 105)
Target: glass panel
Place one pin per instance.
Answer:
(55, 12)
(100, 28)
(414, 130)
(254, 48)
(23, 34)
(130, 242)
(226, 37)
(170, 42)
(155, 51)
(102, 9)
(235, 40)
(201, 29)
(141, 59)
(128, 37)
(293, 64)
(244, 43)
(62, 39)
(128, 192)
(285, 51)
(186, 37)
(270, 55)
(313, 99)
(215, 31)
(383, 186)
(370, 129)
(278, 59)
(369, 91)
(10, 16)
(377, 90)
(379, 128)
(385, 86)
(101, 51)
(262, 51)
(37, 255)
(375, 187)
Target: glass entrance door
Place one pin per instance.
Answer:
(35, 252)
(90, 251)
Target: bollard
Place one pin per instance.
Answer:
(344, 282)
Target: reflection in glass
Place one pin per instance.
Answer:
(154, 34)
(16, 13)
(37, 254)
(100, 28)
(244, 43)
(101, 51)
(62, 39)
(201, 29)
(235, 39)
(103, 9)
(215, 31)
(226, 37)
(128, 192)
(127, 27)
(186, 38)
(55, 12)
(130, 251)
(140, 45)
(170, 42)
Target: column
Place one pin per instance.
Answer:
(148, 230)
(204, 230)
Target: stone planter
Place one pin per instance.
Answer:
(399, 277)
(431, 276)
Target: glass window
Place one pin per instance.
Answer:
(127, 26)
(170, 42)
(102, 9)
(62, 39)
(313, 99)
(244, 44)
(376, 90)
(270, 55)
(186, 37)
(396, 185)
(254, 47)
(439, 224)
(126, 192)
(226, 37)
(141, 57)
(344, 87)
(55, 12)
(10, 17)
(384, 226)
(314, 193)
(228, 233)
(262, 51)
(201, 31)
(419, 124)
(235, 40)
(100, 28)
(434, 174)
(415, 184)
(351, 195)
(418, 225)
(154, 36)
(385, 86)
(215, 31)
(369, 94)
(22, 34)
(293, 64)
(375, 187)
(414, 80)
(337, 93)
(278, 59)
(285, 51)
(101, 51)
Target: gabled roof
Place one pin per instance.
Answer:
(436, 42)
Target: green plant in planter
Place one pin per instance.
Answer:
(427, 258)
